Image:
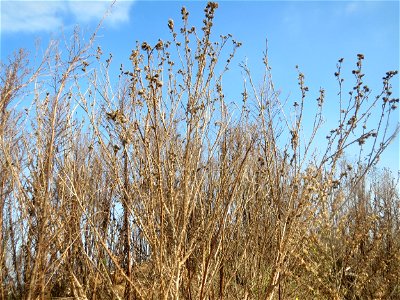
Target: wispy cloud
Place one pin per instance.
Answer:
(31, 16)
(86, 11)
(47, 16)
(352, 7)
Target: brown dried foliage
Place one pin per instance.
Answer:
(156, 190)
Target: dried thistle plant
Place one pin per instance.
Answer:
(155, 190)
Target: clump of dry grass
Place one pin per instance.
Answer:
(156, 191)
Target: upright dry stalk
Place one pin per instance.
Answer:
(150, 184)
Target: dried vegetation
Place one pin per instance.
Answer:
(155, 187)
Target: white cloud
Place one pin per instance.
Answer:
(35, 16)
(86, 11)
(27, 16)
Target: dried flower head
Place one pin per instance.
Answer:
(159, 45)
(184, 13)
(171, 24)
(145, 46)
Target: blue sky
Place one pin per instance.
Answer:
(312, 34)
